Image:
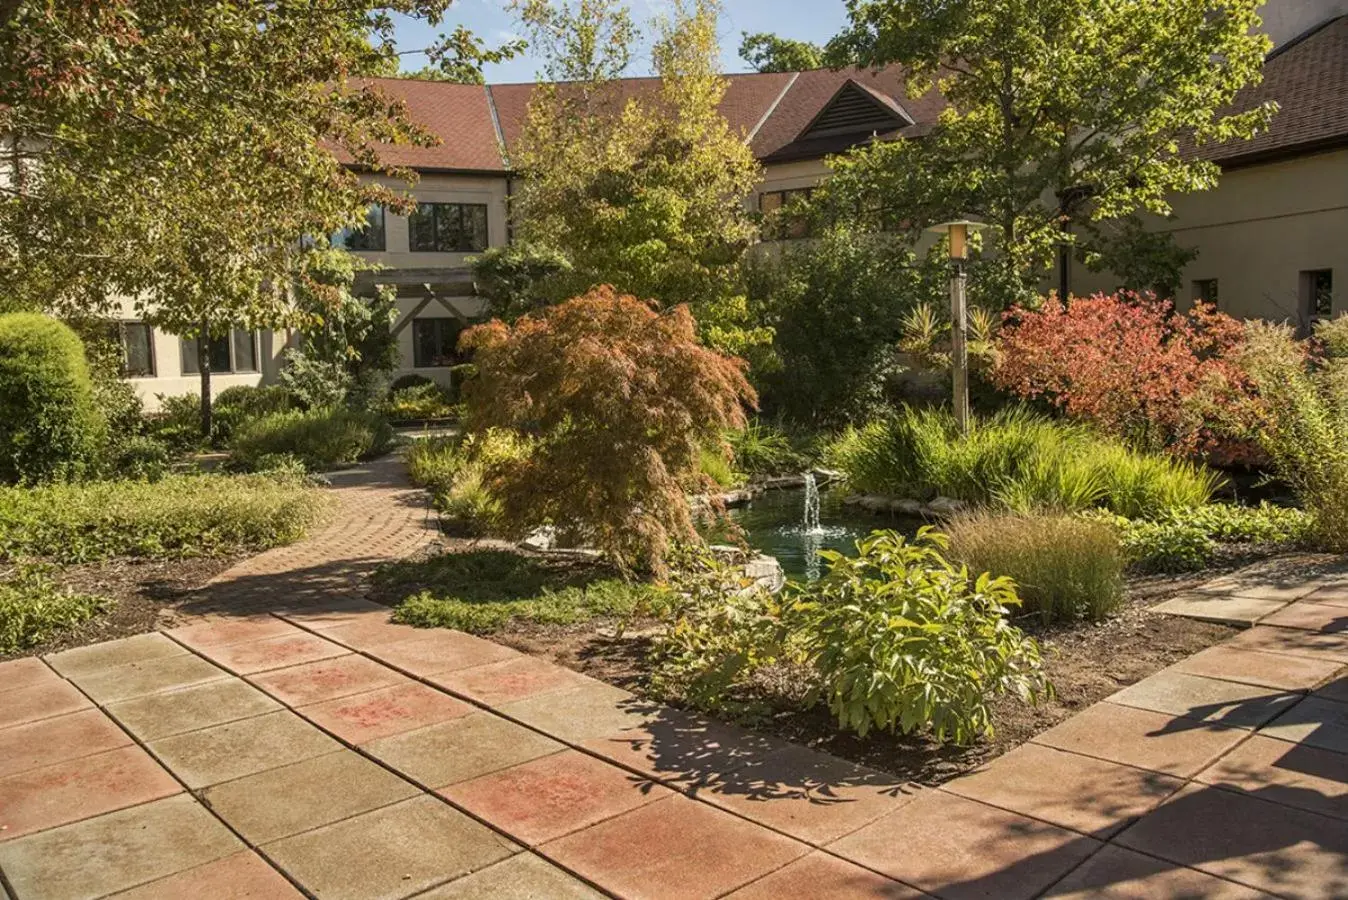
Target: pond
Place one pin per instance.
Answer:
(774, 523)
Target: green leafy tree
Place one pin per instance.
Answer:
(642, 191)
(770, 53)
(180, 153)
(1061, 111)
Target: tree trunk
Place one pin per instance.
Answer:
(204, 366)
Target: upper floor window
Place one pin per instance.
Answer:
(777, 205)
(449, 228)
(435, 342)
(1205, 291)
(137, 342)
(235, 352)
(369, 238)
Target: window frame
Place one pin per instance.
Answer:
(439, 323)
(123, 327)
(188, 349)
(438, 209)
(1310, 291)
(786, 230)
(1207, 290)
(343, 239)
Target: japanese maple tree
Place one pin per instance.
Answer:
(619, 401)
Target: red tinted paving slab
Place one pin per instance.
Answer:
(1243, 838)
(441, 651)
(1138, 737)
(504, 682)
(1118, 874)
(1310, 617)
(41, 701)
(1292, 774)
(1334, 690)
(1270, 670)
(336, 611)
(243, 876)
(327, 679)
(1315, 722)
(1078, 792)
(555, 795)
(232, 630)
(673, 746)
(675, 848)
(1205, 699)
(272, 653)
(362, 718)
(50, 741)
(79, 789)
(233, 750)
(25, 673)
(957, 848)
(823, 877)
(365, 632)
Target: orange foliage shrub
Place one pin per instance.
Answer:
(618, 400)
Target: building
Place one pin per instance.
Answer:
(1271, 239)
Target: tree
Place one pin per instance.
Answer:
(643, 191)
(180, 154)
(770, 53)
(618, 401)
(1060, 112)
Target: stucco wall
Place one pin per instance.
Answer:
(1287, 19)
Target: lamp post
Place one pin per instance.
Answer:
(958, 232)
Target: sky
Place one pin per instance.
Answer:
(810, 20)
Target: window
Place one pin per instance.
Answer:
(1317, 293)
(782, 225)
(435, 342)
(137, 343)
(371, 237)
(235, 352)
(448, 228)
(1205, 291)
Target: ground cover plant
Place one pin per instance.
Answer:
(320, 439)
(482, 591)
(33, 606)
(180, 515)
(420, 401)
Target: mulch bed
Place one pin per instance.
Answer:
(139, 588)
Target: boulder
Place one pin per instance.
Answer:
(945, 507)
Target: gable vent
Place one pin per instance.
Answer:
(854, 110)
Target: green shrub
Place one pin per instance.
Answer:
(1185, 541)
(142, 458)
(314, 382)
(423, 401)
(408, 381)
(33, 607)
(1065, 567)
(484, 591)
(321, 438)
(456, 472)
(181, 515)
(1262, 524)
(467, 507)
(243, 403)
(177, 424)
(432, 463)
(713, 464)
(50, 427)
(1014, 460)
(763, 450)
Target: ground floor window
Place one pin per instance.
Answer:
(137, 342)
(234, 352)
(435, 342)
(1205, 291)
(1317, 293)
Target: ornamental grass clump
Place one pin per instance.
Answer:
(321, 439)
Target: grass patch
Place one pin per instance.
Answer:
(486, 590)
(33, 607)
(1065, 567)
(181, 515)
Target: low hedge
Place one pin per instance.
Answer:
(320, 439)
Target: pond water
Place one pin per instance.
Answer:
(774, 523)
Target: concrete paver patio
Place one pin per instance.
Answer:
(315, 749)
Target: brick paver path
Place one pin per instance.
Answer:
(316, 749)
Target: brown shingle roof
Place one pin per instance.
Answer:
(458, 114)
(1309, 80)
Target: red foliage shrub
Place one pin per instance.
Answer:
(619, 400)
(1133, 366)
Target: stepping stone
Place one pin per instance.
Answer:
(234, 630)
(243, 876)
(24, 673)
(823, 877)
(1118, 874)
(508, 681)
(80, 788)
(49, 741)
(811, 796)
(551, 796)
(1311, 617)
(149, 677)
(41, 701)
(362, 718)
(1077, 792)
(1316, 722)
(592, 711)
(684, 749)
(1159, 742)
(272, 653)
(390, 853)
(1270, 670)
(1284, 851)
(1291, 774)
(134, 846)
(233, 750)
(673, 848)
(441, 651)
(327, 679)
(460, 749)
(304, 795)
(1329, 596)
(521, 877)
(1294, 642)
(1205, 699)
(1259, 586)
(367, 632)
(191, 709)
(1223, 609)
(83, 661)
(956, 848)
(328, 613)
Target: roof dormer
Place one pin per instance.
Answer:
(857, 110)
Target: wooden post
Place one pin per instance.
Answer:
(959, 326)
